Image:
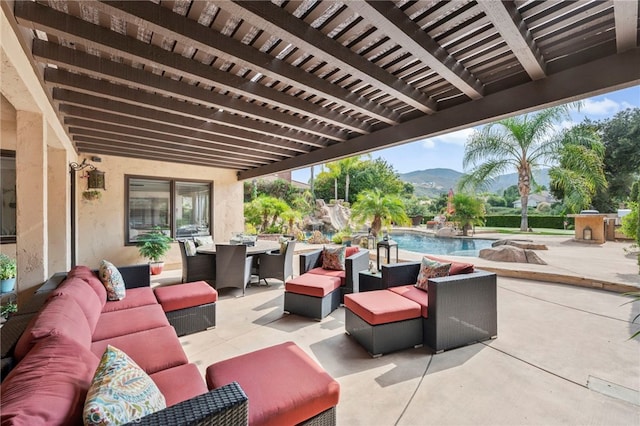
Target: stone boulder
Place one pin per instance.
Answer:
(509, 253)
(523, 244)
(446, 232)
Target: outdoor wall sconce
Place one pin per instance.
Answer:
(386, 246)
(95, 179)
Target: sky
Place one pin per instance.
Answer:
(446, 151)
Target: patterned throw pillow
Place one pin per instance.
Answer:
(190, 248)
(333, 258)
(431, 269)
(112, 280)
(121, 392)
(200, 241)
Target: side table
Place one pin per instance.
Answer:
(370, 281)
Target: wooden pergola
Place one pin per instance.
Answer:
(267, 86)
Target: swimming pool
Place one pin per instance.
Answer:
(421, 243)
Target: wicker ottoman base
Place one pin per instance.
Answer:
(194, 319)
(310, 306)
(384, 338)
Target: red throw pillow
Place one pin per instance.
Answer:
(351, 251)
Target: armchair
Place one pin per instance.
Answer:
(199, 267)
(462, 308)
(276, 265)
(356, 262)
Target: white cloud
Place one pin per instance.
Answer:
(459, 138)
(604, 106)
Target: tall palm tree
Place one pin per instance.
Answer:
(334, 172)
(380, 209)
(580, 170)
(523, 143)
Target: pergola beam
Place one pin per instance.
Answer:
(561, 87)
(275, 21)
(625, 14)
(163, 21)
(392, 21)
(507, 20)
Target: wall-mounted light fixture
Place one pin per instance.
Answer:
(95, 179)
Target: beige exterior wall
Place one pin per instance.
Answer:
(101, 223)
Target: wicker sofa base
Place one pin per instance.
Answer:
(384, 338)
(194, 319)
(310, 306)
(326, 418)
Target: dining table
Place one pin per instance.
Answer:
(261, 246)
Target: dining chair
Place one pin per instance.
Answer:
(196, 266)
(233, 266)
(275, 264)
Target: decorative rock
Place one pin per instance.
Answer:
(446, 232)
(523, 244)
(509, 253)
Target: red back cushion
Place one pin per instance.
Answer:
(90, 278)
(456, 267)
(351, 251)
(60, 316)
(84, 296)
(49, 386)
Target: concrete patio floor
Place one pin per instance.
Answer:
(562, 356)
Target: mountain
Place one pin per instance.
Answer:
(433, 182)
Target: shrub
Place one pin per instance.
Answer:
(513, 221)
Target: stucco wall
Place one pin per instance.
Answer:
(101, 223)
(8, 142)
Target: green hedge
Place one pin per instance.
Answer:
(513, 221)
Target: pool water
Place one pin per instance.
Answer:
(426, 244)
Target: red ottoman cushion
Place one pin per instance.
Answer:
(181, 296)
(312, 285)
(381, 306)
(284, 385)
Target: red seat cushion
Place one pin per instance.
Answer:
(411, 292)
(60, 316)
(456, 267)
(127, 321)
(167, 354)
(135, 297)
(181, 296)
(284, 385)
(381, 306)
(312, 285)
(329, 273)
(49, 386)
(180, 383)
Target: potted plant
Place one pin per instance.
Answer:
(8, 272)
(7, 309)
(93, 194)
(154, 245)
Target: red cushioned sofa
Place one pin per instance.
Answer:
(356, 260)
(456, 310)
(61, 334)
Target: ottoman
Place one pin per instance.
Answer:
(283, 384)
(383, 321)
(190, 307)
(311, 295)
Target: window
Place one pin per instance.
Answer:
(8, 197)
(151, 201)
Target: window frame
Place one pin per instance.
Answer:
(172, 202)
(10, 239)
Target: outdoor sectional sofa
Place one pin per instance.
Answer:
(59, 351)
(456, 310)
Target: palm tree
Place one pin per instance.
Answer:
(334, 172)
(469, 211)
(522, 143)
(380, 209)
(580, 172)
